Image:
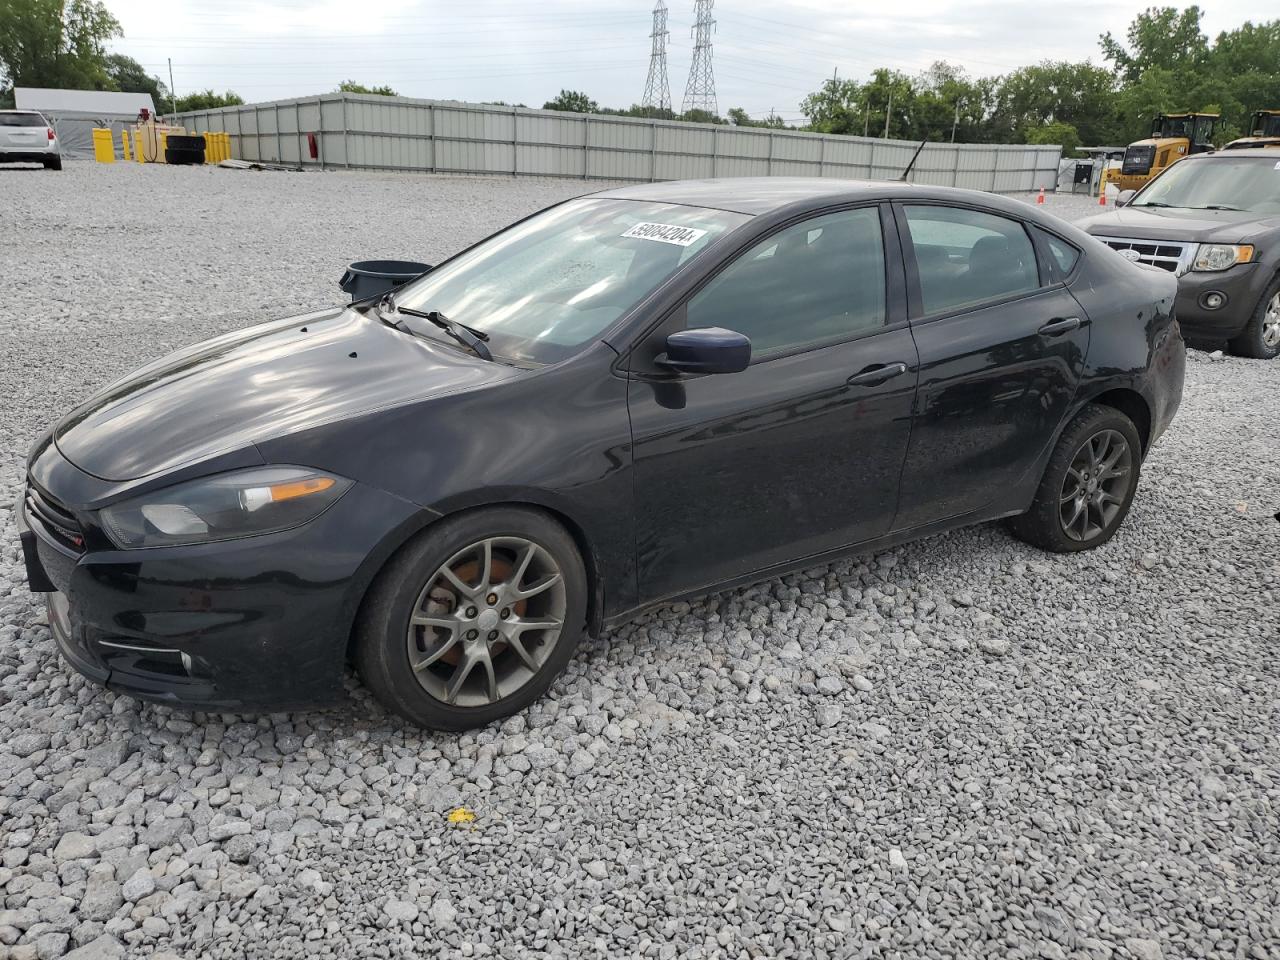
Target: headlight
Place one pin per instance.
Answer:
(240, 504)
(1219, 256)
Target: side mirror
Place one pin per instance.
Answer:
(707, 350)
(371, 278)
(1125, 197)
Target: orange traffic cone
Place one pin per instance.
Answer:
(1040, 196)
(1102, 197)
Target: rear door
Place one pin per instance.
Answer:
(1002, 347)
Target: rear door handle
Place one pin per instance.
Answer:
(1061, 325)
(878, 374)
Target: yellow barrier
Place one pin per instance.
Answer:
(104, 145)
(164, 145)
(124, 144)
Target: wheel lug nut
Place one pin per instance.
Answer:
(491, 599)
(493, 634)
(471, 611)
(472, 634)
(506, 612)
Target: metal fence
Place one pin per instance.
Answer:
(400, 133)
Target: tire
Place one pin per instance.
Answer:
(1260, 339)
(502, 675)
(1106, 501)
(53, 164)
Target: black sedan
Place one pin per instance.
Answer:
(631, 397)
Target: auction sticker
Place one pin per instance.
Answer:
(666, 233)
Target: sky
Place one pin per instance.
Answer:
(766, 55)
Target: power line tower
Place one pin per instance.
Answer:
(700, 91)
(657, 94)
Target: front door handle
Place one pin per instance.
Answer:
(876, 375)
(1060, 325)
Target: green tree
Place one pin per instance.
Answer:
(129, 75)
(572, 101)
(1159, 37)
(740, 118)
(206, 100)
(1063, 134)
(350, 86)
(1078, 94)
(55, 43)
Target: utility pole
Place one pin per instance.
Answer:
(700, 91)
(173, 94)
(955, 123)
(866, 118)
(657, 94)
(888, 107)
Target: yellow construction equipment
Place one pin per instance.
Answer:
(1264, 131)
(1173, 136)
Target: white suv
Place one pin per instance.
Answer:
(27, 137)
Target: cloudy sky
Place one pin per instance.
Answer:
(767, 55)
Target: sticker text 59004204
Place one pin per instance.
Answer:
(666, 233)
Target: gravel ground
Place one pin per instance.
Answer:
(958, 748)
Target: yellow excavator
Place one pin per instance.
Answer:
(1264, 131)
(1173, 136)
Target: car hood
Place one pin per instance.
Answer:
(261, 382)
(1191, 226)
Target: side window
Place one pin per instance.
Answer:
(819, 280)
(967, 256)
(1064, 254)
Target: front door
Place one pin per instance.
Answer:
(802, 451)
(1002, 347)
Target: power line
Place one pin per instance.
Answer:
(700, 91)
(657, 94)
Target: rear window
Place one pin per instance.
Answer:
(22, 120)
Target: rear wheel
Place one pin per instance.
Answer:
(1088, 485)
(473, 620)
(54, 163)
(1261, 336)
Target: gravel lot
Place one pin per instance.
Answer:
(959, 748)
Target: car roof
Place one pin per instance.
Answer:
(759, 195)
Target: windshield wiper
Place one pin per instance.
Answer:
(1218, 206)
(1153, 203)
(467, 336)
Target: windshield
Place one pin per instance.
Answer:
(1240, 183)
(543, 288)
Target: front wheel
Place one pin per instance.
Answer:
(473, 620)
(1088, 485)
(1261, 336)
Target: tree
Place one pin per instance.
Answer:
(127, 74)
(1079, 94)
(572, 101)
(207, 100)
(1063, 134)
(55, 43)
(350, 86)
(740, 118)
(1159, 37)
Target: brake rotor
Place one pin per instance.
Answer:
(445, 599)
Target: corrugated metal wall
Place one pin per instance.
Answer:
(400, 133)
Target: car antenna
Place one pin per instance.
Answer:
(903, 178)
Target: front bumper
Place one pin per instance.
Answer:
(255, 624)
(1242, 285)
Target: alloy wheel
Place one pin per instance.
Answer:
(1271, 323)
(486, 621)
(1096, 486)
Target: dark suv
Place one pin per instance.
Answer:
(1213, 220)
